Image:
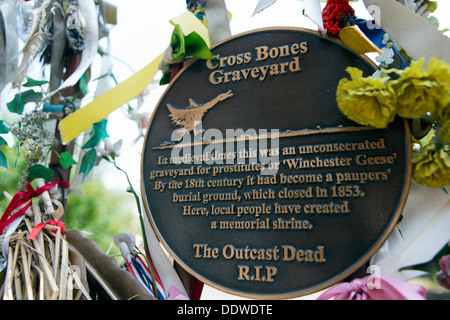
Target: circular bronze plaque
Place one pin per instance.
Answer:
(256, 183)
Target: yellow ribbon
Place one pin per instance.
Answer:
(84, 118)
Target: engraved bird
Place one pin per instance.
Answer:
(189, 119)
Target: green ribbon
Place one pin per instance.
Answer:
(191, 45)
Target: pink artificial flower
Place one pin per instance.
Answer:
(388, 289)
(443, 276)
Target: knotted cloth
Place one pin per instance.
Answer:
(22, 201)
(333, 12)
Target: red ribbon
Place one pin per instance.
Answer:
(38, 228)
(23, 198)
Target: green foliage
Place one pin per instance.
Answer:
(102, 212)
(39, 171)
(3, 127)
(66, 160)
(17, 105)
(10, 178)
(99, 134)
(34, 83)
(88, 162)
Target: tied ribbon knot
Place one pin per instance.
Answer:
(22, 200)
(38, 228)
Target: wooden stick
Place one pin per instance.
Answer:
(16, 253)
(41, 295)
(8, 294)
(37, 220)
(53, 288)
(78, 283)
(45, 197)
(17, 284)
(26, 273)
(12, 263)
(69, 293)
(31, 258)
(64, 270)
(56, 268)
(50, 246)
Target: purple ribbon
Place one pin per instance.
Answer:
(388, 289)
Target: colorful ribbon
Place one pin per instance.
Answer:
(84, 118)
(22, 200)
(141, 271)
(184, 45)
(38, 228)
(389, 289)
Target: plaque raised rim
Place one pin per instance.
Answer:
(351, 269)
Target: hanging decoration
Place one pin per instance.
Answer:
(83, 119)
(65, 36)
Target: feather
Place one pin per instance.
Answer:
(423, 232)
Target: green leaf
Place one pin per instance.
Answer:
(39, 171)
(83, 85)
(66, 160)
(3, 162)
(21, 99)
(34, 83)
(98, 135)
(4, 127)
(88, 162)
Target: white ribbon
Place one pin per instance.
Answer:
(313, 11)
(217, 19)
(5, 242)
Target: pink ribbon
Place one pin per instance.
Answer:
(175, 294)
(389, 289)
(23, 198)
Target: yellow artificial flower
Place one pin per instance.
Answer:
(443, 115)
(420, 90)
(432, 166)
(444, 132)
(366, 100)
